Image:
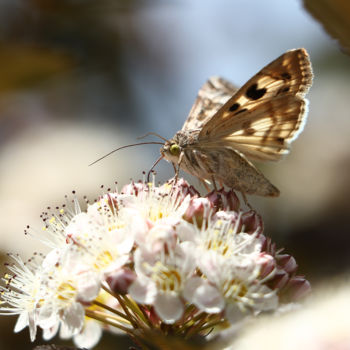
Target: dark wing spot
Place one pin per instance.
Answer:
(249, 131)
(241, 111)
(286, 75)
(254, 93)
(283, 89)
(280, 140)
(234, 107)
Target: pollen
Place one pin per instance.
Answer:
(103, 260)
(66, 291)
(166, 278)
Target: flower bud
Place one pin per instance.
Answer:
(197, 211)
(119, 281)
(297, 288)
(225, 200)
(183, 188)
(279, 280)
(287, 263)
(252, 222)
(268, 264)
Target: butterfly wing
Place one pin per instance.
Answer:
(267, 113)
(211, 97)
(228, 167)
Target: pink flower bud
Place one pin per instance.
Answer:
(225, 200)
(183, 188)
(297, 288)
(268, 264)
(287, 263)
(279, 280)
(119, 281)
(252, 222)
(198, 209)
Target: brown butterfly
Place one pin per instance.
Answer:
(226, 127)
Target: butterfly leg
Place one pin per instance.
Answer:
(174, 166)
(246, 200)
(176, 171)
(214, 183)
(177, 168)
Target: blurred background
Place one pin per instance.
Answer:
(79, 78)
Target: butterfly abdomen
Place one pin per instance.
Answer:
(227, 167)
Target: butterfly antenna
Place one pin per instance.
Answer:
(118, 149)
(155, 163)
(154, 134)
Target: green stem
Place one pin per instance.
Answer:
(211, 325)
(137, 310)
(130, 317)
(99, 316)
(120, 314)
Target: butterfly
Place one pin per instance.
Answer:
(228, 127)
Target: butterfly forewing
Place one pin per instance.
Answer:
(266, 130)
(211, 97)
(268, 112)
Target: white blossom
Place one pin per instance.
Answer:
(161, 279)
(22, 294)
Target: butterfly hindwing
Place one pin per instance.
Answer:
(211, 97)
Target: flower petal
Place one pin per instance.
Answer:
(143, 291)
(205, 296)
(73, 318)
(89, 336)
(169, 307)
(89, 285)
(49, 333)
(22, 321)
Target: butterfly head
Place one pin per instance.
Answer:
(171, 151)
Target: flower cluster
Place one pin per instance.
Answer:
(149, 258)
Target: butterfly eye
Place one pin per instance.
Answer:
(174, 149)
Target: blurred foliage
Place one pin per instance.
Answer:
(23, 66)
(334, 15)
(83, 44)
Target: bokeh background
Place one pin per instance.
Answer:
(79, 78)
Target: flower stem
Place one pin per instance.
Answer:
(105, 318)
(120, 314)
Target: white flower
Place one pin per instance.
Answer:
(145, 260)
(54, 231)
(161, 280)
(21, 296)
(151, 207)
(230, 262)
(68, 284)
(103, 236)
